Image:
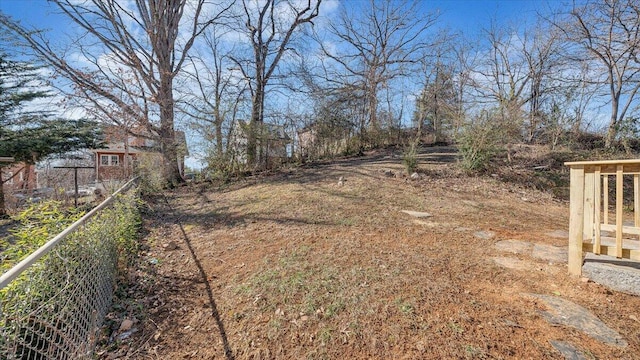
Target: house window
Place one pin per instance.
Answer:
(10, 177)
(109, 160)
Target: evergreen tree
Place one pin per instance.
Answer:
(27, 133)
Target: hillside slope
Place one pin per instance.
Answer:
(300, 265)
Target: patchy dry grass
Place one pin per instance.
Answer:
(295, 266)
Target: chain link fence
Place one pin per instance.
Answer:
(52, 303)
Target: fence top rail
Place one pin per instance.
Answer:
(15, 271)
(603, 162)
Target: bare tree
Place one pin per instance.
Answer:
(385, 42)
(541, 49)
(564, 112)
(607, 33)
(521, 71)
(439, 105)
(215, 94)
(462, 63)
(270, 26)
(132, 56)
(502, 80)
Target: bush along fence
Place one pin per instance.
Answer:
(53, 302)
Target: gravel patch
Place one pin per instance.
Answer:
(617, 274)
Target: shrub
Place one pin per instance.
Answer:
(479, 142)
(409, 158)
(151, 171)
(221, 168)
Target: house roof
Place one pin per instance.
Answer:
(115, 138)
(117, 148)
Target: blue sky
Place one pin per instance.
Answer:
(468, 16)
(35, 12)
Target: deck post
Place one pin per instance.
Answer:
(576, 219)
(597, 220)
(589, 205)
(619, 208)
(636, 200)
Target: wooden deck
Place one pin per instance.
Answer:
(590, 211)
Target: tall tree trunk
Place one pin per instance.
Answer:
(373, 116)
(169, 147)
(612, 132)
(257, 118)
(218, 124)
(436, 117)
(534, 109)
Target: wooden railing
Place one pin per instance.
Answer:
(589, 211)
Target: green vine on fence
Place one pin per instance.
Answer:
(37, 224)
(70, 287)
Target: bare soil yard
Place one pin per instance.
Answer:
(298, 266)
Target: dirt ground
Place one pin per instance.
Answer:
(299, 266)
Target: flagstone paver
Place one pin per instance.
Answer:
(564, 312)
(514, 246)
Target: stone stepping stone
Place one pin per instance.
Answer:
(416, 214)
(550, 253)
(485, 235)
(513, 263)
(567, 350)
(567, 313)
(617, 274)
(560, 234)
(430, 224)
(462, 229)
(471, 203)
(514, 246)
